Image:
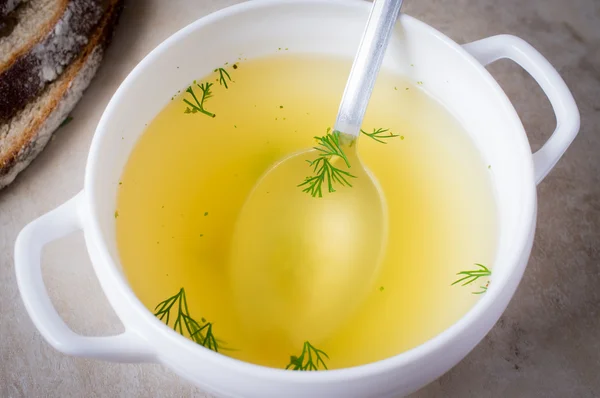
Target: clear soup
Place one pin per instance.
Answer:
(191, 172)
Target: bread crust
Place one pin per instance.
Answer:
(65, 94)
(43, 59)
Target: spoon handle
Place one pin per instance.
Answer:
(365, 68)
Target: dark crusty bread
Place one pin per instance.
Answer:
(24, 136)
(7, 6)
(8, 18)
(47, 37)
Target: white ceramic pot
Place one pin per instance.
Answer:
(453, 74)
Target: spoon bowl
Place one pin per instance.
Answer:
(314, 259)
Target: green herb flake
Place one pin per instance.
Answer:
(223, 77)
(116, 214)
(66, 121)
(420, 83)
(205, 214)
(381, 288)
(380, 135)
(483, 288)
(310, 359)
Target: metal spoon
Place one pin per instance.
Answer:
(300, 265)
(366, 66)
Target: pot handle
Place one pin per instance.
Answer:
(494, 48)
(64, 220)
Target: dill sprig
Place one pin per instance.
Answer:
(325, 171)
(201, 333)
(468, 277)
(380, 135)
(223, 76)
(310, 359)
(199, 106)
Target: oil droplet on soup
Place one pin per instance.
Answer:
(197, 162)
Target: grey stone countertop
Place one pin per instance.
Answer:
(547, 344)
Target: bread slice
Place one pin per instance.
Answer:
(47, 37)
(24, 136)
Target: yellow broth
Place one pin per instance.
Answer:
(189, 175)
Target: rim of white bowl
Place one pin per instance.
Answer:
(115, 277)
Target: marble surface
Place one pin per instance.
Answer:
(546, 345)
